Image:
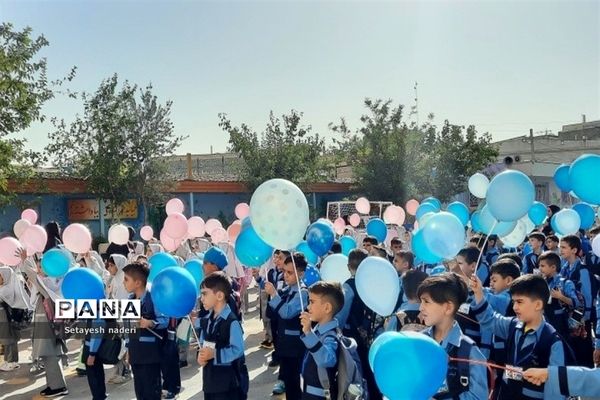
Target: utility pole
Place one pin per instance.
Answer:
(532, 146)
(417, 103)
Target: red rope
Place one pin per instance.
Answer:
(489, 367)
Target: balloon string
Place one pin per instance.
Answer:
(489, 367)
(483, 247)
(193, 329)
(464, 316)
(298, 283)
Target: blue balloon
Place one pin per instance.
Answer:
(491, 226)
(250, 249)
(310, 256)
(377, 285)
(440, 269)
(436, 203)
(428, 363)
(510, 195)
(174, 292)
(160, 261)
(566, 222)
(311, 276)
(586, 214)
(56, 262)
(348, 244)
(538, 213)
(334, 268)
(320, 237)
(460, 210)
(583, 176)
(194, 267)
(425, 208)
(376, 227)
(561, 178)
(419, 247)
(444, 235)
(377, 343)
(82, 283)
(475, 224)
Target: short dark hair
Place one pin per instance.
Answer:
(511, 256)
(470, 254)
(443, 288)
(506, 267)
(538, 236)
(595, 230)
(331, 292)
(554, 238)
(217, 282)
(411, 281)
(371, 239)
(137, 271)
(336, 247)
(286, 253)
(355, 257)
(478, 240)
(395, 240)
(298, 260)
(573, 241)
(407, 256)
(533, 286)
(381, 251)
(551, 258)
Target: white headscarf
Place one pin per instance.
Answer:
(116, 288)
(12, 291)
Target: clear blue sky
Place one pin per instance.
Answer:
(504, 65)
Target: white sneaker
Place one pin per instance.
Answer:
(8, 366)
(120, 379)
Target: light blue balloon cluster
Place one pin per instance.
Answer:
(348, 244)
(56, 262)
(160, 261)
(583, 178)
(566, 222)
(586, 214)
(538, 213)
(561, 178)
(376, 276)
(460, 210)
(310, 256)
(510, 196)
(250, 249)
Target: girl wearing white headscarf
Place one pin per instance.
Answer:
(13, 298)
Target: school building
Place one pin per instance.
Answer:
(207, 184)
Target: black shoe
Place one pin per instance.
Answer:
(273, 364)
(81, 372)
(183, 364)
(54, 392)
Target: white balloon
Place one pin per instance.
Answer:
(118, 234)
(334, 268)
(518, 235)
(528, 223)
(279, 213)
(378, 285)
(596, 245)
(478, 185)
(20, 227)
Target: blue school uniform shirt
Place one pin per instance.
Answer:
(585, 283)
(478, 387)
(498, 301)
(98, 326)
(578, 381)
(393, 322)
(235, 350)
(566, 287)
(291, 308)
(160, 322)
(500, 326)
(342, 315)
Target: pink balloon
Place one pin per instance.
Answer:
(362, 205)
(174, 206)
(234, 230)
(34, 239)
(176, 226)
(77, 238)
(211, 225)
(394, 215)
(8, 248)
(196, 227)
(118, 234)
(411, 206)
(219, 235)
(30, 215)
(20, 227)
(146, 232)
(339, 225)
(169, 243)
(355, 220)
(242, 210)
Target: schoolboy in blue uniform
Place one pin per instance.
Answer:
(530, 340)
(408, 313)
(93, 366)
(573, 270)
(530, 262)
(318, 367)
(221, 354)
(562, 292)
(441, 296)
(288, 307)
(145, 345)
(567, 381)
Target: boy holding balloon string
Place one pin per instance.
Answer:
(441, 296)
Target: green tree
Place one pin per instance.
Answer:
(392, 160)
(285, 149)
(118, 145)
(24, 88)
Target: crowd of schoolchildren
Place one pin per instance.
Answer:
(516, 323)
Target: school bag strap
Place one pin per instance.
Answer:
(458, 377)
